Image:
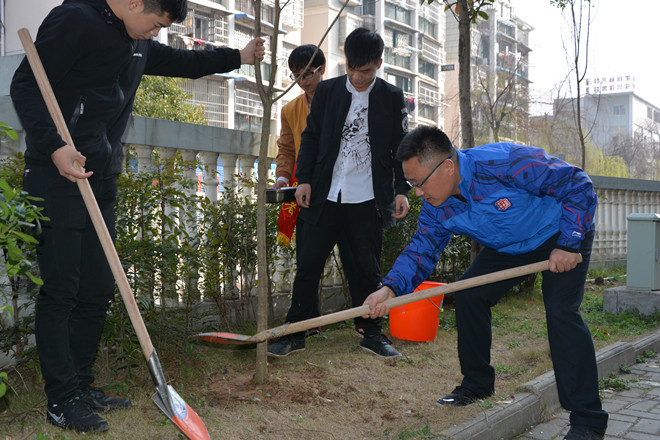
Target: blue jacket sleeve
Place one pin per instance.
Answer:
(543, 175)
(419, 258)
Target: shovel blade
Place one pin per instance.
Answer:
(227, 338)
(183, 416)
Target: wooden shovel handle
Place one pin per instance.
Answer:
(88, 197)
(354, 312)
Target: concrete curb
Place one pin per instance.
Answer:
(540, 399)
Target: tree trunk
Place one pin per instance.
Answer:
(464, 76)
(262, 249)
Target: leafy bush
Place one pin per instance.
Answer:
(20, 220)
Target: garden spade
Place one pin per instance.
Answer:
(331, 318)
(165, 397)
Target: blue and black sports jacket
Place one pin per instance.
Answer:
(516, 198)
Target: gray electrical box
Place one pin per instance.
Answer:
(644, 251)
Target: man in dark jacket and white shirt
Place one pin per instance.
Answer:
(349, 183)
(94, 53)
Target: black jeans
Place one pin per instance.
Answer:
(571, 345)
(78, 284)
(359, 225)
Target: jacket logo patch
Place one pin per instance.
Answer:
(137, 54)
(502, 204)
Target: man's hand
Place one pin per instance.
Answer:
(303, 194)
(253, 50)
(401, 206)
(562, 261)
(280, 184)
(376, 301)
(64, 159)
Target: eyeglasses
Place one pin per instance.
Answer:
(419, 186)
(307, 74)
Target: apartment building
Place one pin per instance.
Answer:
(230, 100)
(414, 46)
(619, 122)
(499, 73)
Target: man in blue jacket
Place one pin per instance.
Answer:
(94, 53)
(522, 206)
(349, 184)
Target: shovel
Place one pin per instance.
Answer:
(165, 397)
(331, 318)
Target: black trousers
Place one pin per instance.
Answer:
(359, 225)
(78, 284)
(571, 345)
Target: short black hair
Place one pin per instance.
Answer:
(426, 143)
(362, 47)
(301, 55)
(175, 9)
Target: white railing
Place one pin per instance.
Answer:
(617, 199)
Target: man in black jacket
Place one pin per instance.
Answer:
(347, 181)
(94, 53)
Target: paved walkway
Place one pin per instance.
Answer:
(535, 414)
(634, 413)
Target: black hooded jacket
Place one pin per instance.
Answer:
(94, 68)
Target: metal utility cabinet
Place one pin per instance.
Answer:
(644, 251)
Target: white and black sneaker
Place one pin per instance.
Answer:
(75, 414)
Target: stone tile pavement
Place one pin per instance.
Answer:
(535, 413)
(634, 413)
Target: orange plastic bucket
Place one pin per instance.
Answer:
(419, 320)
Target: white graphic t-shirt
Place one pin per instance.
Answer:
(351, 174)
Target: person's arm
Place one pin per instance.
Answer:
(417, 260)
(399, 130)
(286, 154)
(164, 60)
(544, 175)
(415, 263)
(59, 43)
(309, 145)
(309, 142)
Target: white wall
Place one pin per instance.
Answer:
(24, 14)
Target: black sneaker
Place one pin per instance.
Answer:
(583, 433)
(75, 414)
(286, 345)
(461, 397)
(379, 345)
(99, 401)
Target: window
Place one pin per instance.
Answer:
(427, 111)
(428, 27)
(619, 110)
(397, 13)
(369, 7)
(202, 28)
(397, 47)
(402, 82)
(247, 123)
(427, 68)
